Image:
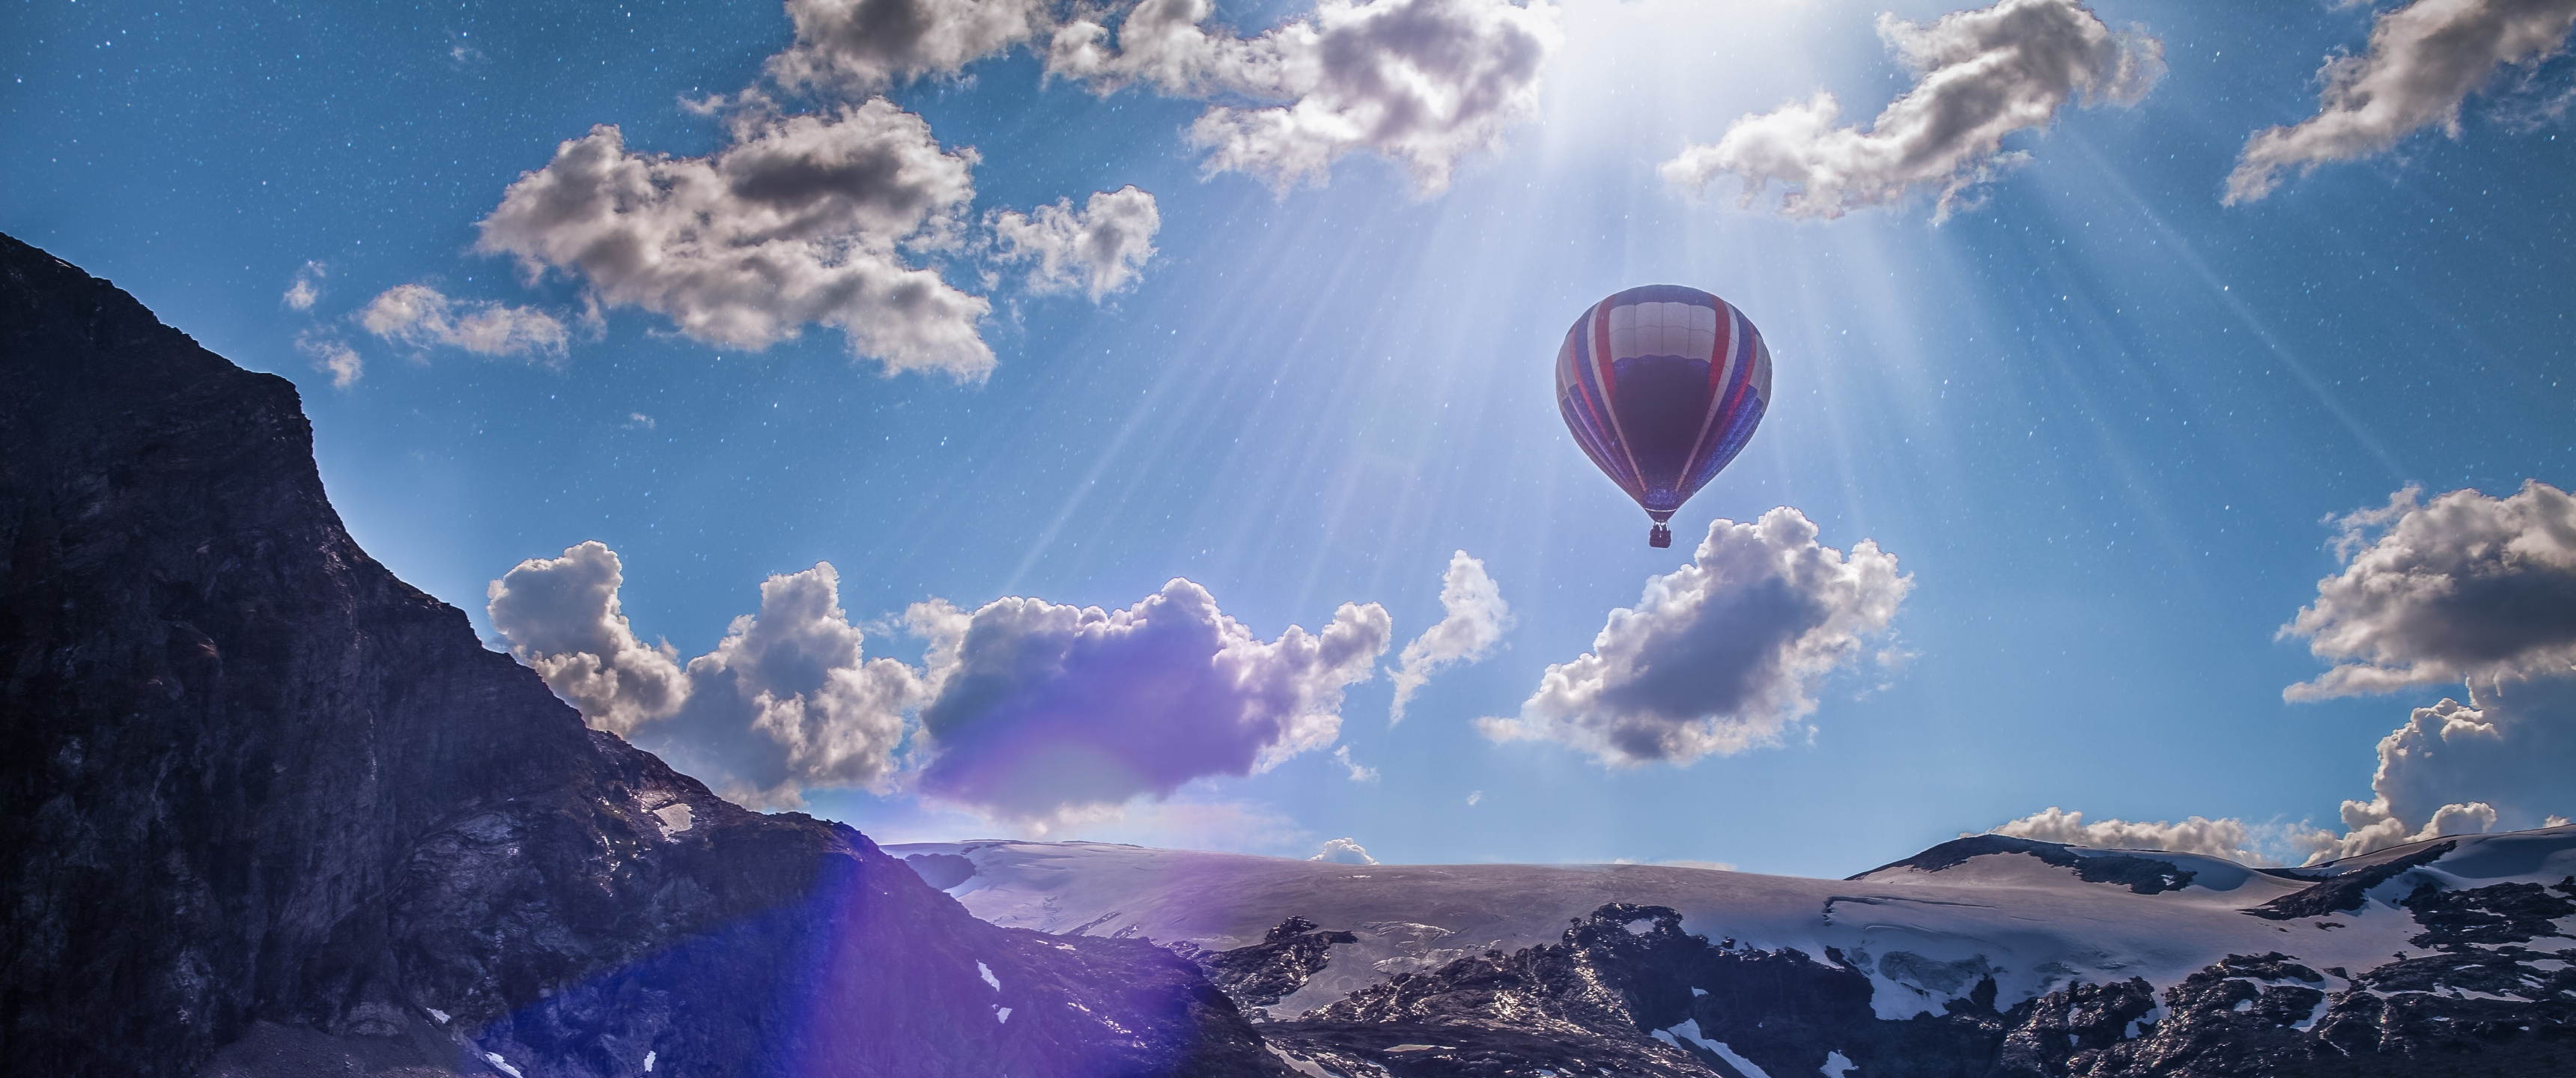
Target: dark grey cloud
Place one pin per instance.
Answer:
(1980, 75)
(1721, 654)
(1046, 711)
(2424, 60)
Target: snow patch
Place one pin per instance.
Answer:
(987, 973)
(1689, 1030)
(675, 818)
(502, 1065)
(1836, 1064)
(1302, 1065)
(1001, 1014)
(437, 1014)
(648, 1062)
(2324, 1001)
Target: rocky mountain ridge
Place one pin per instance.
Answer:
(1987, 956)
(266, 809)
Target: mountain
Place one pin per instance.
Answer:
(1986, 956)
(265, 809)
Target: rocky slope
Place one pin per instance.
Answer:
(1980, 958)
(265, 809)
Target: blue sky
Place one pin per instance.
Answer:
(2100, 418)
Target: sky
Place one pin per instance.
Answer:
(993, 418)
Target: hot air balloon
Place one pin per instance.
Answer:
(1662, 386)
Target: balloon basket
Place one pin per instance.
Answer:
(1659, 538)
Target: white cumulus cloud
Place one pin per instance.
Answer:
(797, 219)
(1099, 249)
(786, 701)
(2502, 759)
(2217, 838)
(561, 617)
(1721, 654)
(2424, 60)
(423, 317)
(1473, 618)
(2465, 587)
(864, 45)
(1981, 75)
(1343, 851)
(1422, 82)
(1046, 711)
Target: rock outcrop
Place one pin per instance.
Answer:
(265, 809)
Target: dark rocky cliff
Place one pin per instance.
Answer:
(264, 808)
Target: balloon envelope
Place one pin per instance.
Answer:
(1662, 386)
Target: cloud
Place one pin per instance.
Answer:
(2424, 60)
(2227, 838)
(2502, 759)
(1980, 75)
(1343, 851)
(865, 45)
(1358, 771)
(1721, 654)
(1046, 711)
(418, 315)
(785, 702)
(1100, 249)
(332, 357)
(788, 700)
(2466, 587)
(1423, 82)
(1474, 796)
(561, 617)
(306, 287)
(796, 219)
(1472, 622)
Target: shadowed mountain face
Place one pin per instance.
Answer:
(265, 809)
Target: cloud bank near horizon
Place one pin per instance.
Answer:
(2463, 589)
